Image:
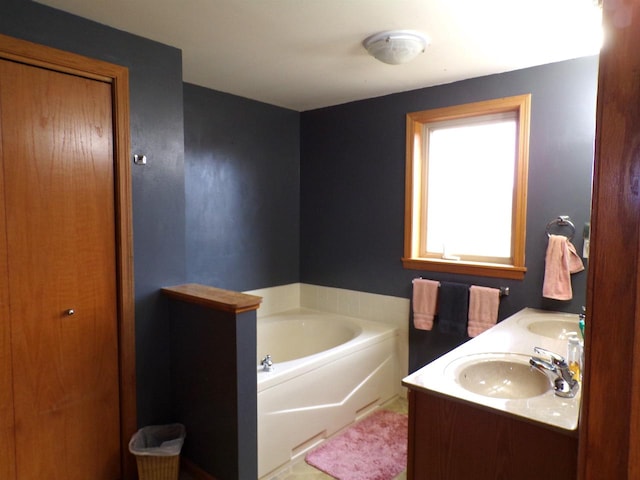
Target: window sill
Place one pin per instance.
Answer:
(465, 268)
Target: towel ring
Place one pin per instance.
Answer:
(562, 221)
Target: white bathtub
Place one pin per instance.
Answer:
(329, 371)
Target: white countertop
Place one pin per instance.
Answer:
(511, 336)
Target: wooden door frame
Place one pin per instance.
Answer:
(610, 420)
(118, 77)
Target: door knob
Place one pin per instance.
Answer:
(71, 311)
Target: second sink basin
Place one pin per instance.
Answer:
(559, 329)
(506, 376)
(558, 326)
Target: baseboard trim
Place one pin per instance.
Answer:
(194, 471)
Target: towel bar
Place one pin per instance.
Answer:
(562, 221)
(504, 291)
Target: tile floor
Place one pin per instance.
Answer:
(299, 470)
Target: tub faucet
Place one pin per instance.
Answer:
(267, 364)
(557, 369)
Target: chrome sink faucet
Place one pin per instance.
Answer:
(557, 369)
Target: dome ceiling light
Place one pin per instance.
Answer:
(396, 46)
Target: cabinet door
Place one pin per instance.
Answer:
(60, 229)
(452, 440)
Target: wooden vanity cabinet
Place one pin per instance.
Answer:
(453, 440)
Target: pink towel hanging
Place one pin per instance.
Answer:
(560, 262)
(484, 303)
(425, 299)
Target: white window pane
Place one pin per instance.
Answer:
(470, 188)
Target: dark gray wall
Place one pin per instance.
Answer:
(242, 191)
(214, 388)
(352, 181)
(158, 189)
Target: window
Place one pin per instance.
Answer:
(466, 188)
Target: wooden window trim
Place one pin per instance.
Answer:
(118, 76)
(414, 188)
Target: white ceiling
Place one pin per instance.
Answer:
(306, 54)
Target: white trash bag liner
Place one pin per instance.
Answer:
(158, 440)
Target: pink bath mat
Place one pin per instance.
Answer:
(372, 449)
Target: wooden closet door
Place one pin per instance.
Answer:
(7, 444)
(60, 224)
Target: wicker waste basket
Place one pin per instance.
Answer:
(157, 450)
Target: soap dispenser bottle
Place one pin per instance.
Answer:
(574, 356)
(581, 319)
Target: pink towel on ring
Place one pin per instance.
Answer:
(484, 303)
(560, 262)
(425, 296)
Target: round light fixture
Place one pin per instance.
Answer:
(396, 46)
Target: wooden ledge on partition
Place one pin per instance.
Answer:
(214, 298)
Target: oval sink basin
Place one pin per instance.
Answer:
(502, 378)
(551, 325)
(560, 329)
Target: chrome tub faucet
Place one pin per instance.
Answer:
(557, 370)
(267, 364)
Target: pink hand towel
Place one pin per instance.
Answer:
(425, 296)
(575, 262)
(483, 309)
(560, 262)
